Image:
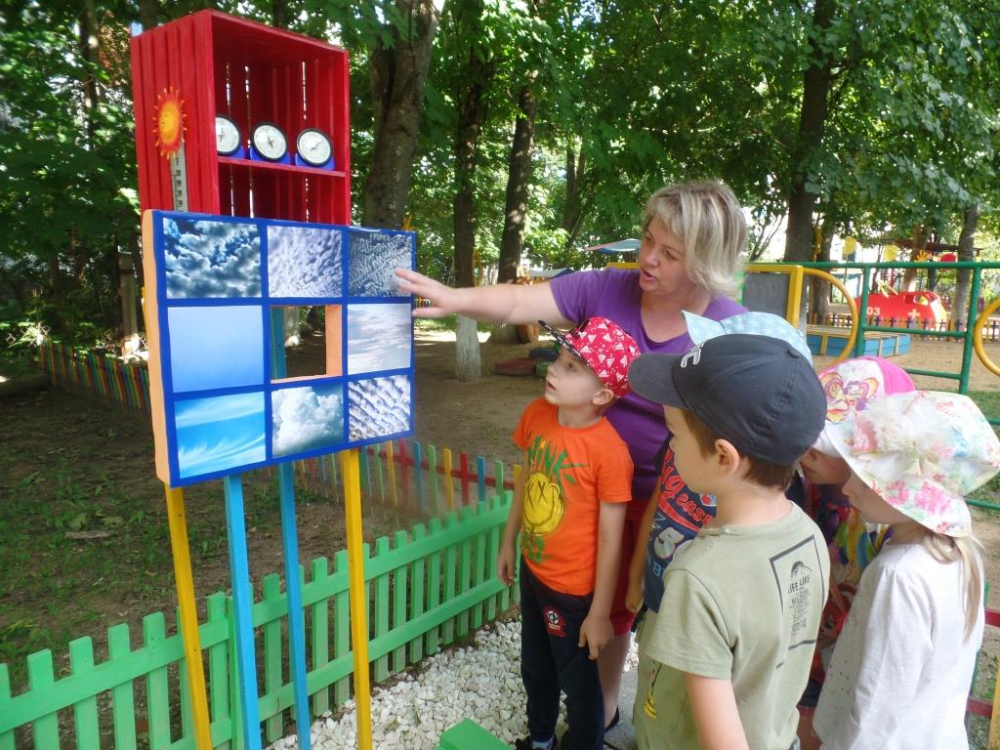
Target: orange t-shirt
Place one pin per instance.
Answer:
(570, 472)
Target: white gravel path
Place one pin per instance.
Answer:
(481, 682)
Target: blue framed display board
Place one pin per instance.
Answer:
(216, 287)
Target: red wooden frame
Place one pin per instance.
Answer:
(251, 73)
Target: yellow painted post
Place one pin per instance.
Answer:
(189, 616)
(358, 596)
(449, 488)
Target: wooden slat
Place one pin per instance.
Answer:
(417, 594)
(400, 589)
(40, 679)
(6, 738)
(273, 726)
(381, 618)
(85, 723)
(341, 626)
(218, 666)
(450, 578)
(319, 570)
(157, 688)
(434, 588)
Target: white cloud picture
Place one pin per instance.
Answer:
(211, 258)
(304, 262)
(374, 258)
(307, 419)
(379, 407)
(379, 337)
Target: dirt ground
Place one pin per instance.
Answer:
(83, 535)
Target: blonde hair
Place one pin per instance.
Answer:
(966, 551)
(708, 220)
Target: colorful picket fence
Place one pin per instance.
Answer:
(428, 587)
(113, 380)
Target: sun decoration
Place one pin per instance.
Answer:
(169, 119)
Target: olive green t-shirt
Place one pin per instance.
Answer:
(741, 603)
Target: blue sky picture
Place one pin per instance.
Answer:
(307, 419)
(304, 262)
(374, 258)
(215, 347)
(379, 407)
(379, 337)
(219, 433)
(211, 258)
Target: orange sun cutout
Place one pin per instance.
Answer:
(169, 119)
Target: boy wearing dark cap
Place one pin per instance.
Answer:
(731, 646)
(570, 510)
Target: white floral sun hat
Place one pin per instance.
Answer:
(922, 452)
(701, 329)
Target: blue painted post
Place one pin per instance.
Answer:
(296, 623)
(239, 572)
(481, 477)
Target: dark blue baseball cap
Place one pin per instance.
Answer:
(757, 392)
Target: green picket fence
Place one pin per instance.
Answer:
(428, 587)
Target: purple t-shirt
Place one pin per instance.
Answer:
(614, 293)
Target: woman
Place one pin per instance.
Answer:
(693, 234)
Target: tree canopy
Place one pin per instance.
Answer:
(869, 117)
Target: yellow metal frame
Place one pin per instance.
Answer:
(989, 364)
(795, 284)
(797, 275)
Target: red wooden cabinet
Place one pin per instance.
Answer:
(251, 73)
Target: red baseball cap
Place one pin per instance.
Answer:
(604, 346)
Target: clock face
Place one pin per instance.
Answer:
(227, 135)
(269, 141)
(314, 147)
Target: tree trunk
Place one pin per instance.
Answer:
(398, 74)
(966, 251)
(518, 178)
(149, 12)
(819, 289)
(279, 14)
(90, 51)
(468, 366)
(572, 210)
(812, 122)
(912, 275)
(471, 117)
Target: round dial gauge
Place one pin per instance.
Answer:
(314, 147)
(227, 136)
(270, 141)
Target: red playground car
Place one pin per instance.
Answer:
(917, 309)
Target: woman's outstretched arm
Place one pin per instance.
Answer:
(500, 303)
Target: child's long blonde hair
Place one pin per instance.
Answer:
(964, 550)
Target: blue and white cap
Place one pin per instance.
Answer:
(701, 329)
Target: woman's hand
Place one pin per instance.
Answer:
(444, 300)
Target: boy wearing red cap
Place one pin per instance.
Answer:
(570, 510)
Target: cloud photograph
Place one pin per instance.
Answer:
(211, 258)
(379, 407)
(307, 419)
(215, 347)
(374, 257)
(379, 337)
(304, 262)
(220, 433)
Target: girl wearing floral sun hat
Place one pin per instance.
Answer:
(901, 670)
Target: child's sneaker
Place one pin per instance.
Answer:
(525, 744)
